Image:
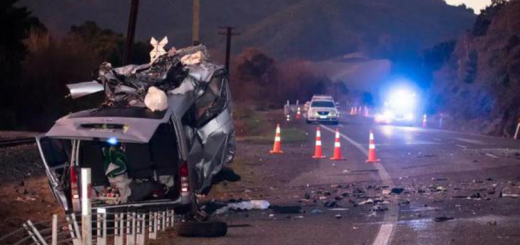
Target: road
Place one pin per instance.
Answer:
(467, 179)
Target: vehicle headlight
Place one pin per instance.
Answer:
(388, 115)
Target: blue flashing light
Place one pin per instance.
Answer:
(112, 141)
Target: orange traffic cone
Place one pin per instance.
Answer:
(337, 148)
(424, 121)
(355, 110)
(298, 114)
(351, 111)
(372, 149)
(366, 111)
(317, 152)
(277, 148)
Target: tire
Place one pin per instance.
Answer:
(201, 229)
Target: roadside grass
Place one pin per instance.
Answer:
(288, 136)
(259, 127)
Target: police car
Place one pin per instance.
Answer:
(322, 108)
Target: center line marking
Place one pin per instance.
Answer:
(387, 229)
(491, 155)
(462, 146)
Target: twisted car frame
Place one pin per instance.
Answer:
(182, 147)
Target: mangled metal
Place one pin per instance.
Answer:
(197, 93)
(81, 89)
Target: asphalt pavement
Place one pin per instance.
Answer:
(456, 189)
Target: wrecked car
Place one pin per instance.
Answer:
(162, 134)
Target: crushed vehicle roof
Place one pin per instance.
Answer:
(178, 73)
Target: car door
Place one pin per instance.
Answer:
(55, 157)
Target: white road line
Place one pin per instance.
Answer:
(387, 230)
(462, 146)
(437, 139)
(491, 155)
(476, 142)
(341, 126)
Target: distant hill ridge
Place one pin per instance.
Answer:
(313, 29)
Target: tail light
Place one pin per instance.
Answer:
(74, 182)
(73, 175)
(185, 180)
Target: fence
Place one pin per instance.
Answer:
(129, 226)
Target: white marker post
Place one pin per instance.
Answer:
(86, 209)
(163, 221)
(54, 229)
(129, 236)
(152, 225)
(101, 226)
(118, 239)
(140, 229)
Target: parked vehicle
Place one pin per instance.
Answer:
(322, 108)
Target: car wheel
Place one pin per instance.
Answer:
(201, 228)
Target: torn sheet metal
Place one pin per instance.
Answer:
(192, 59)
(78, 90)
(187, 85)
(217, 144)
(204, 71)
(197, 93)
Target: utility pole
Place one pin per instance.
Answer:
(195, 38)
(130, 33)
(228, 31)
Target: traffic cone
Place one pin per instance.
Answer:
(424, 121)
(351, 111)
(298, 114)
(372, 149)
(337, 148)
(277, 148)
(317, 151)
(355, 110)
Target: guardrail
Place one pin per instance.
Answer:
(16, 142)
(130, 226)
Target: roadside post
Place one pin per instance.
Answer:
(101, 226)
(86, 212)
(517, 129)
(54, 240)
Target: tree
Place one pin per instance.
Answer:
(108, 44)
(15, 23)
(484, 19)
